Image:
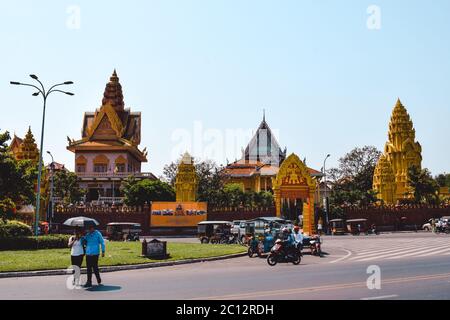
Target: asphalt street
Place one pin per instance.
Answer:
(409, 266)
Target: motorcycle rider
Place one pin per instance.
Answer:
(287, 240)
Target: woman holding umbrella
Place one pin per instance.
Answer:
(76, 247)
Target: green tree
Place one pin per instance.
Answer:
(234, 194)
(352, 180)
(66, 187)
(7, 209)
(443, 180)
(425, 187)
(17, 178)
(139, 192)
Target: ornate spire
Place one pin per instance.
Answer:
(28, 149)
(400, 153)
(113, 93)
(29, 139)
(401, 126)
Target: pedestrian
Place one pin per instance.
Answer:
(76, 250)
(93, 240)
(433, 225)
(319, 228)
(298, 238)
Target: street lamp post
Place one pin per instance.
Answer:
(52, 166)
(325, 192)
(45, 93)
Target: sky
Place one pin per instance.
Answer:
(326, 72)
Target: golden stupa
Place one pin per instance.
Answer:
(400, 153)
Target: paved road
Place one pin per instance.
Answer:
(420, 271)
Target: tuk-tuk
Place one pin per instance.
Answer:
(357, 226)
(123, 231)
(213, 231)
(337, 227)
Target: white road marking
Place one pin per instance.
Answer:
(447, 248)
(384, 252)
(396, 254)
(381, 297)
(426, 251)
(349, 253)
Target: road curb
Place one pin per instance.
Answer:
(105, 269)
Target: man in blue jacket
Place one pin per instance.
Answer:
(93, 241)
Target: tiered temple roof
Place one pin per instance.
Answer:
(25, 149)
(111, 127)
(262, 156)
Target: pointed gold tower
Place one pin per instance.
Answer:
(400, 153)
(186, 183)
(25, 149)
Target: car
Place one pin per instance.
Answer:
(427, 226)
(238, 228)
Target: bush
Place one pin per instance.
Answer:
(58, 241)
(14, 229)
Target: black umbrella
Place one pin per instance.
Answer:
(81, 222)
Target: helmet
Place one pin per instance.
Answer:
(296, 228)
(285, 230)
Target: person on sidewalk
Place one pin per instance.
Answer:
(76, 250)
(93, 240)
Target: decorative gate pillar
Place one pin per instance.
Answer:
(293, 181)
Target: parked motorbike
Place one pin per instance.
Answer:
(315, 246)
(373, 231)
(279, 255)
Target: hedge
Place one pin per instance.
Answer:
(34, 243)
(14, 229)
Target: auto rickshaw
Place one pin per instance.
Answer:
(213, 231)
(357, 226)
(337, 227)
(123, 231)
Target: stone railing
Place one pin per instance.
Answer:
(112, 175)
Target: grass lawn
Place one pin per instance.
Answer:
(117, 253)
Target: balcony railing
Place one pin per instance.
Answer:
(111, 175)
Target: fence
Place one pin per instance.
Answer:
(398, 217)
(229, 214)
(108, 214)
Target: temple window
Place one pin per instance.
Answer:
(121, 164)
(120, 167)
(100, 168)
(81, 164)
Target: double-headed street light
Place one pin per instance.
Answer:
(45, 93)
(51, 208)
(326, 188)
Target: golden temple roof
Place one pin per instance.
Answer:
(113, 93)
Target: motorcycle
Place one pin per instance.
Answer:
(256, 247)
(373, 231)
(278, 255)
(315, 246)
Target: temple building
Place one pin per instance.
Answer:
(260, 162)
(25, 149)
(400, 153)
(186, 183)
(108, 151)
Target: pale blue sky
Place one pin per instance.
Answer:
(328, 83)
